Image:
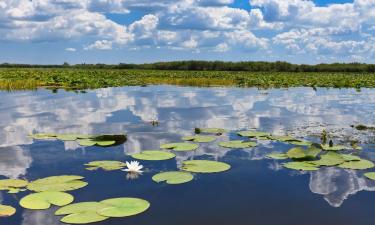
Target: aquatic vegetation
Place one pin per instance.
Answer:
(370, 175)
(253, 134)
(327, 147)
(358, 165)
(296, 153)
(105, 165)
(277, 155)
(173, 177)
(305, 166)
(329, 159)
(153, 155)
(81, 213)
(123, 207)
(237, 144)
(182, 146)
(204, 166)
(44, 200)
(6, 211)
(57, 183)
(12, 185)
(299, 142)
(199, 138)
(217, 131)
(133, 167)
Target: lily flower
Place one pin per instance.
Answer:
(133, 167)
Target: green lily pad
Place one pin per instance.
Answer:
(180, 146)
(122, 207)
(300, 143)
(217, 131)
(199, 138)
(357, 165)
(312, 152)
(329, 159)
(153, 155)
(105, 165)
(12, 185)
(304, 166)
(204, 166)
(81, 213)
(334, 148)
(57, 183)
(42, 136)
(253, 134)
(370, 175)
(67, 137)
(276, 155)
(296, 153)
(44, 200)
(86, 142)
(173, 177)
(283, 138)
(350, 157)
(105, 143)
(237, 144)
(6, 211)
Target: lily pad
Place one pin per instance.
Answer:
(173, 177)
(329, 159)
(204, 166)
(199, 138)
(357, 165)
(350, 157)
(370, 175)
(180, 146)
(276, 155)
(122, 207)
(237, 144)
(42, 136)
(153, 155)
(282, 138)
(253, 134)
(57, 183)
(6, 211)
(81, 213)
(300, 143)
(86, 142)
(44, 200)
(304, 166)
(296, 153)
(105, 165)
(334, 148)
(12, 185)
(67, 137)
(217, 131)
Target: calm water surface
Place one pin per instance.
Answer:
(255, 191)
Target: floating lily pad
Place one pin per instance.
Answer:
(81, 213)
(357, 165)
(199, 138)
(296, 153)
(67, 137)
(180, 146)
(122, 207)
(283, 138)
(153, 155)
(217, 131)
(329, 159)
(350, 157)
(305, 166)
(12, 185)
(300, 143)
(312, 152)
(334, 148)
(173, 177)
(253, 134)
(204, 166)
(370, 175)
(86, 142)
(237, 144)
(105, 165)
(6, 211)
(276, 155)
(57, 183)
(43, 136)
(105, 143)
(44, 200)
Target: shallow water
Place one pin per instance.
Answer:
(255, 191)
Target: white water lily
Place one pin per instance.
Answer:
(133, 167)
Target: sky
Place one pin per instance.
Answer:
(142, 31)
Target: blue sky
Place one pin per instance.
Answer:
(137, 31)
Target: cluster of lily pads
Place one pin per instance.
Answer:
(53, 190)
(84, 139)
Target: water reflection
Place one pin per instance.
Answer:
(302, 112)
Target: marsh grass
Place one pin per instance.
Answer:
(26, 79)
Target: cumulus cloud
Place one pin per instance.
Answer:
(289, 26)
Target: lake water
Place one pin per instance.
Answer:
(256, 191)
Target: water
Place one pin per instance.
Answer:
(255, 191)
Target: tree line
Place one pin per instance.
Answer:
(217, 66)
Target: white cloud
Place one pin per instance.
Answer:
(70, 49)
